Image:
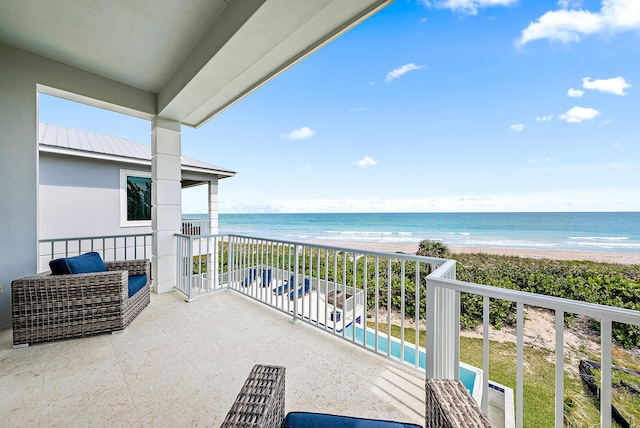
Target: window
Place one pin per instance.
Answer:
(135, 198)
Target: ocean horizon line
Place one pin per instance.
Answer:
(417, 212)
(597, 231)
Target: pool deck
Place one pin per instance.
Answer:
(182, 364)
(314, 306)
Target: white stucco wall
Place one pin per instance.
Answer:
(81, 197)
(18, 180)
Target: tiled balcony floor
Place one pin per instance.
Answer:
(182, 364)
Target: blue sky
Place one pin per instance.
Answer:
(433, 106)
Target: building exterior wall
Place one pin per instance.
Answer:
(80, 197)
(18, 178)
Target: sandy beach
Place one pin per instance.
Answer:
(622, 258)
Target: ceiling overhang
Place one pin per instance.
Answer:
(278, 35)
(194, 58)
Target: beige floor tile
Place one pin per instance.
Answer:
(182, 364)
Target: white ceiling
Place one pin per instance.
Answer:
(197, 56)
(139, 43)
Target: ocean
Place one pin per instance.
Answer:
(590, 231)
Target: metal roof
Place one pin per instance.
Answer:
(90, 144)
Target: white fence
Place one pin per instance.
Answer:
(111, 248)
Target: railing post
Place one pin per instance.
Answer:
(213, 264)
(230, 260)
(190, 269)
(431, 330)
(296, 260)
(443, 330)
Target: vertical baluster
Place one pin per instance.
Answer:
(389, 261)
(377, 289)
(485, 354)
(402, 309)
(519, 365)
(559, 413)
(605, 373)
(417, 315)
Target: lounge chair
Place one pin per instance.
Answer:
(82, 296)
(301, 290)
(260, 404)
(253, 275)
(266, 278)
(284, 287)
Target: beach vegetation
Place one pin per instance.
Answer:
(429, 248)
(402, 283)
(602, 283)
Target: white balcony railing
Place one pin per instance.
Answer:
(112, 247)
(352, 294)
(438, 283)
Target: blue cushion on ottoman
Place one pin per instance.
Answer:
(136, 282)
(84, 263)
(319, 420)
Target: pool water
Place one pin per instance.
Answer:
(467, 376)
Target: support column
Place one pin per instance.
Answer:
(18, 178)
(213, 262)
(165, 201)
(213, 207)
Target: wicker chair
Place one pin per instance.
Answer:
(48, 307)
(260, 403)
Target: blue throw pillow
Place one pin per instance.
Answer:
(319, 420)
(84, 263)
(136, 282)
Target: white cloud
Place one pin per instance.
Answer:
(569, 4)
(575, 93)
(366, 161)
(579, 114)
(568, 25)
(536, 160)
(616, 85)
(469, 7)
(544, 118)
(394, 74)
(518, 127)
(299, 134)
(607, 199)
(357, 109)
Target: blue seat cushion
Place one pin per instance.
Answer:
(84, 263)
(136, 282)
(319, 420)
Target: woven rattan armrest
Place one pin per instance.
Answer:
(134, 267)
(260, 403)
(449, 405)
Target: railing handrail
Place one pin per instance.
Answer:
(84, 238)
(595, 310)
(401, 256)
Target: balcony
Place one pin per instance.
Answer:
(327, 327)
(183, 365)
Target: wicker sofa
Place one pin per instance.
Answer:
(260, 404)
(48, 307)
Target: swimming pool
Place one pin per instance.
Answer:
(470, 376)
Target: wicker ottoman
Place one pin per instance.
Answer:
(450, 405)
(260, 403)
